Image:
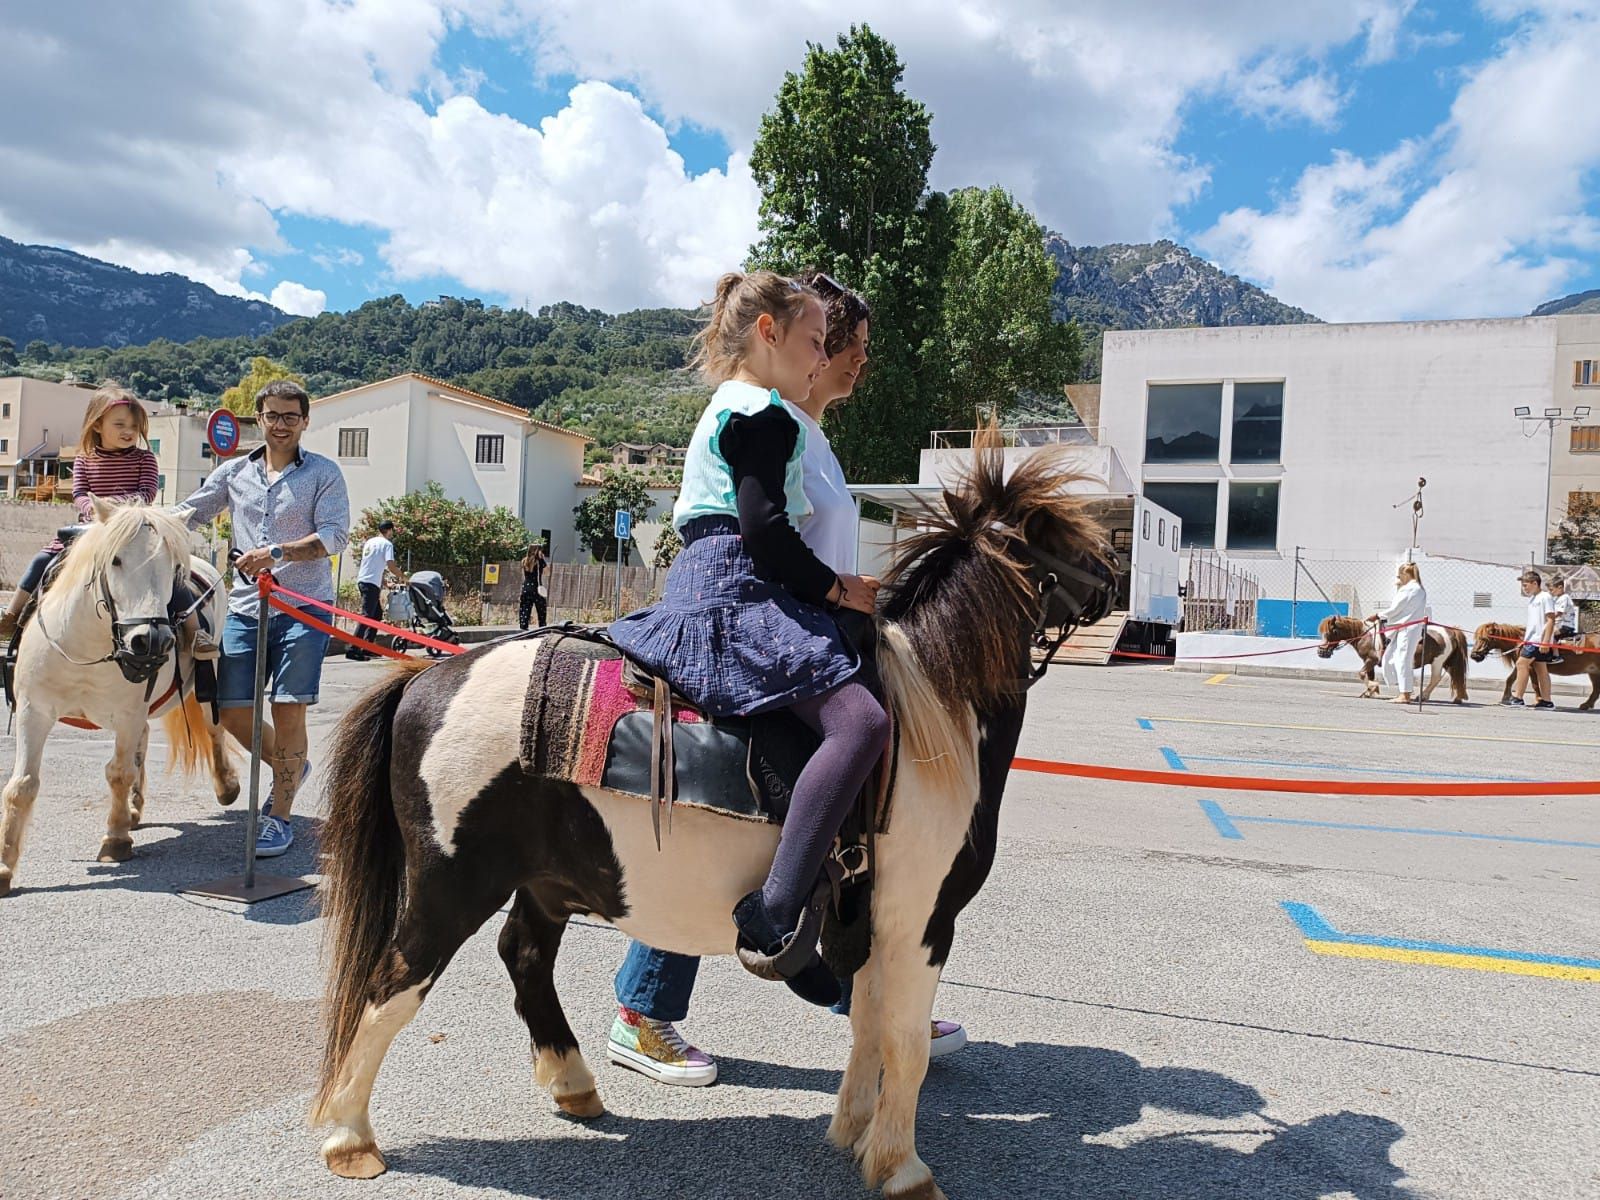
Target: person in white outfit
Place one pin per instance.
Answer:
(1566, 616)
(1410, 605)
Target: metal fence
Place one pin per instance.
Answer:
(1218, 595)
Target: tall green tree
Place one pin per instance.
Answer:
(997, 332)
(842, 162)
(241, 397)
(8, 352)
(595, 518)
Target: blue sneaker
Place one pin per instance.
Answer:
(305, 771)
(274, 837)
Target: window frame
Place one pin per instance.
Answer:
(360, 446)
(495, 444)
(1590, 434)
(1186, 525)
(1277, 513)
(1234, 460)
(1216, 434)
(1586, 372)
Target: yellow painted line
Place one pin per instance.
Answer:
(1223, 678)
(1464, 962)
(1451, 737)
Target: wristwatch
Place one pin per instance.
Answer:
(276, 552)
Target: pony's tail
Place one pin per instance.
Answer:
(363, 858)
(190, 745)
(930, 735)
(1455, 664)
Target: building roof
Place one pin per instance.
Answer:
(452, 391)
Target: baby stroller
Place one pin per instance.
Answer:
(421, 606)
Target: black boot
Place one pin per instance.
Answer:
(791, 958)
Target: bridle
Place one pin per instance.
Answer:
(1085, 593)
(136, 666)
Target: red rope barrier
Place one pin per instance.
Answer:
(395, 630)
(1338, 787)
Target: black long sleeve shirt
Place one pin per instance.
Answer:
(757, 449)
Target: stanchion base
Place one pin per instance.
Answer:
(266, 887)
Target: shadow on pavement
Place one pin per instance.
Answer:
(995, 1121)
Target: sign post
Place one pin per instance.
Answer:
(622, 530)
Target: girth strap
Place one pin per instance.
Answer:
(663, 764)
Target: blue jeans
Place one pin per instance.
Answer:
(656, 983)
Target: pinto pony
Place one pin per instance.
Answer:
(1581, 657)
(100, 648)
(432, 826)
(1443, 649)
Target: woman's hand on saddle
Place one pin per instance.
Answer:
(859, 592)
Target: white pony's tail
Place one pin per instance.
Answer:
(189, 741)
(941, 744)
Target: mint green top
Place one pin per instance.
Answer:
(708, 479)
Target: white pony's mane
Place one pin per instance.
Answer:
(96, 546)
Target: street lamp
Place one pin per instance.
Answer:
(1550, 418)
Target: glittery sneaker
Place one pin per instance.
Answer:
(655, 1048)
(948, 1037)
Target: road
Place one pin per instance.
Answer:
(1171, 993)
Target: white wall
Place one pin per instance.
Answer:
(382, 412)
(446, 432)
(1367, 410)
(553, 466)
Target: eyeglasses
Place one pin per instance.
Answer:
(268, 417)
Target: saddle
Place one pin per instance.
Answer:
(592, 716)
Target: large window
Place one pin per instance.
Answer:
(491, 449)
(155, 445)
(1252, 516)
(1257, 422)
(1586, 439)
(1183, 422)
(1195, 504)
(352, 443)
(1585, 373)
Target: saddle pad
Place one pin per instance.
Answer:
(582, 724)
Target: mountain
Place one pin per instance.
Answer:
(1155, 285)
(1578, 302)
(72, 300)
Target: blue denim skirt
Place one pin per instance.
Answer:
(730, 641)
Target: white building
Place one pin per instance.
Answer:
(397, 435)
(38, 420)
(1267, 438)
(183, 454)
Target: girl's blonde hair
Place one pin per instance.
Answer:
(1408, 571)
(107, 397)
(723, 342)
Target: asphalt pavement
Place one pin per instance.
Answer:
(1171, 992)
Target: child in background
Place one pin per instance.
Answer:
(111, 465)
(1566, 616)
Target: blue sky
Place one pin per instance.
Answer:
(1364, 159)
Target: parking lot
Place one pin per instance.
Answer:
(1171, 992)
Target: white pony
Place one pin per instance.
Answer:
(100, 649)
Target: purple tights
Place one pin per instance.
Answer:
(854, 732)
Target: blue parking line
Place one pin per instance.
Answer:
(1220, 819)
(1305, 766)
(1227, 825)
(1144, 723)
(1313, 927)
(1173, 761)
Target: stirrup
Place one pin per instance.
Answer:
(796, 950)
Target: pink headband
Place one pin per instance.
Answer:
(119, 400)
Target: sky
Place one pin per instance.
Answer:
(1362, 159)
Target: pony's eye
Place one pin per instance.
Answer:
(116, 561)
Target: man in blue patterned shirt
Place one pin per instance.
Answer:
(290, 511)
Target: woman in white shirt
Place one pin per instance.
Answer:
(1410, 605)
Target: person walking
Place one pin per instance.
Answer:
(653, 987)
(291, 511)
(377, 564)
(533, 565)
(1402, 623)
(1533, 656)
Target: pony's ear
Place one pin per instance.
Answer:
(102, 508)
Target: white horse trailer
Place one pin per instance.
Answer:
(1145, 536)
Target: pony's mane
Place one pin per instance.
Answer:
(1342, 627)
(95, 547)
(959, 591)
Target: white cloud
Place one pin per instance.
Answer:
(1483, 217)
(298, 299)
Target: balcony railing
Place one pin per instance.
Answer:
(1017, 435)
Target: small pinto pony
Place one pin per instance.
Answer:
(1445, 650)
(1581, 657)
(433, 825)
(100, 648)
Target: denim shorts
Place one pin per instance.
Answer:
(294, 661)
(1535, 653)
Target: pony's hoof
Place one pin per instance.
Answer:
(844, 1132)
(586, 1106)
(5, 881)
(228, 793)
(355, 1162)
(115, 850)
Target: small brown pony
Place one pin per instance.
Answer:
(1581, 657)
(1444, 649)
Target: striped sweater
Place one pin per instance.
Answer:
(111, 475)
